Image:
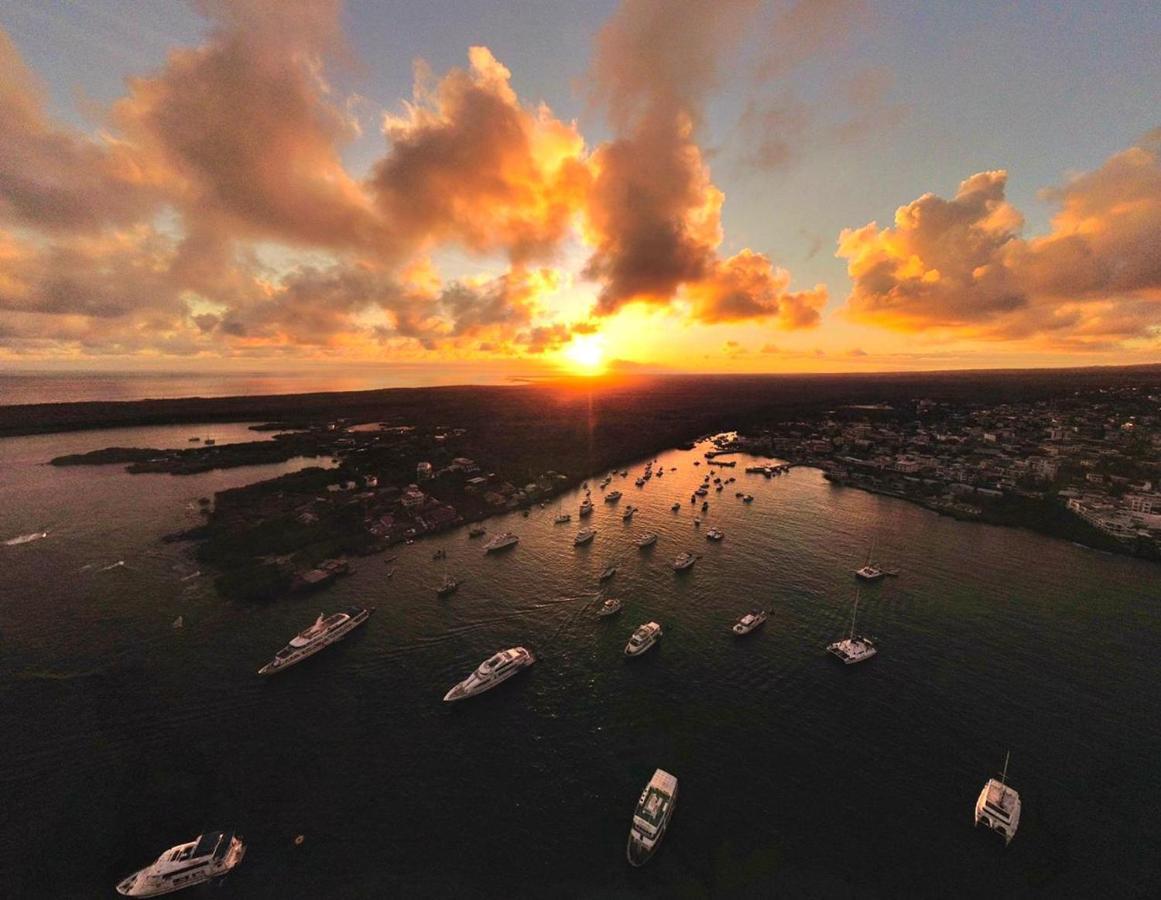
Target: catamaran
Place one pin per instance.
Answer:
(651, 817)
(998, 806)
(853, 648)
(210, 855)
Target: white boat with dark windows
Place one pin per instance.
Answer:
(491, 672)
(750, 622)
(584, 536)
(643, 638)
(610, 607)
(854, 648)
(561, 518)
(612, 496)
(211, 855)
(648, 539)
(627, 515)
(684, 560)
(651, 817)
(325, 631)
(502, 541)
(998, 806)
(586, 507)
(715, 534)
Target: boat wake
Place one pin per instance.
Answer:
(25, 538)
(119, 564)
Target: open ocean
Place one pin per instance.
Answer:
(799, 777)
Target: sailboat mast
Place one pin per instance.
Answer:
(855, 613)
(1004, 775)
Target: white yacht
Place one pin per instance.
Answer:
(612, 496)
(714, 534)
(561, 518)
(584, 536)
(998, 806)
(627, 515)
(869, 572)
(501, 541)
(651, 818)
(648, 539)
(586, 507)
(492, 671)
(324, 632)
(643, 638)
(750, 621)
(684, 560)
(853, 648)
(210, 855)
(610, 607)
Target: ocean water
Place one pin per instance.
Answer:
(799, 776)
(75, 387)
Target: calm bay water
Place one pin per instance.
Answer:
(123, 736)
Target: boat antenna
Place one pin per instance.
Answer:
(1004, 774)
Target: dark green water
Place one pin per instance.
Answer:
(800, 777)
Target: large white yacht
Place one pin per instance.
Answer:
(324, 632)
(648, 539)
(684, 560)
(998, 806)
(627, 515)
(651, 818)
(612, 496)
(584, 536)
(750, 621)
(714, 534)
(501, 541)
(210, 855)
(610, 607)
(492, 671)
(643, 638)
(586, 507)
(853, 648)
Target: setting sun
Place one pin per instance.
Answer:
(586, 354)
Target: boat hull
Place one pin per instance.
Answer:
(457, 693)
(137, 885)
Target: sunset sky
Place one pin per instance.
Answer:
(832, 185)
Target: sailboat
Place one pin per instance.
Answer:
(561, 515)
(854, 648)
(870, 571)
(998, 805)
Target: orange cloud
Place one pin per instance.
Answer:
(961, 265)
(469, 163)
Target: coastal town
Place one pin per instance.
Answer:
(1086, 466)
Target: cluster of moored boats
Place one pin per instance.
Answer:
(214, 854)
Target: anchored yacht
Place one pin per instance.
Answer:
(651, 818)
(643, 638)
(646, 540)
(476, 531)
(608, 573)
(750, 621)
(449, 586)
(561, 518)
(676, 506)
(869, 572)
(584, 536)
(853, 648)
(210, 855)
(714, 534)
(501, 541)
(610, 607)
(612, 496)
(998, 806)
(627, 515)
(683, 561)
(324, 632)
(492, 671)
(586, 507)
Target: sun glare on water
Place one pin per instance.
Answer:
(586, 354)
